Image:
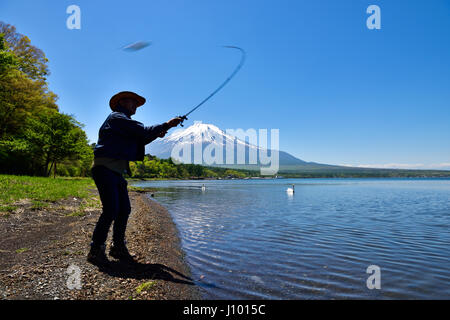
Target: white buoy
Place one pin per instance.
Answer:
(291, 190)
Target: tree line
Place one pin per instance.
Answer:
(153, 167)
(35, 137)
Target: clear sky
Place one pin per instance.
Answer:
(338, 92)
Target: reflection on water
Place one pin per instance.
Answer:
(251, 239)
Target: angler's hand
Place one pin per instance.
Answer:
(172, 123)
(175, 122)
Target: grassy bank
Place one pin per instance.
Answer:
(40, 190)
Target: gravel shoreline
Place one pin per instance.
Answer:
(43, 251)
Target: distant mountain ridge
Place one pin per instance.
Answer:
(210, 136)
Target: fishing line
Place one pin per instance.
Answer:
(142, 44)
(236, 70)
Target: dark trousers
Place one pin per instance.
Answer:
(112, 188)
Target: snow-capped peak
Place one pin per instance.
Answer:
(197, 128)
(200, 132)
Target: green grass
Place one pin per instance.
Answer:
(22, 250)
(7, 208)
(40, 190)
(87, 203)
(39, 205)
(141, 189)
(145, 286)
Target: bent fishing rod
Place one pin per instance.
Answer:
(142, 44)
(236, 70)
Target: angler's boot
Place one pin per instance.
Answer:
(97, 256)
(120, 252)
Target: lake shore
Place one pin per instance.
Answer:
(254, 240)
(39, 245)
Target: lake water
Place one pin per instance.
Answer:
(249, 239)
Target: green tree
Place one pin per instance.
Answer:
(31, 60)
(234, 173)
(7, 59)
(55, 137)
(34, 136)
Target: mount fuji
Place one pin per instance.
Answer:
(200, 136)
(235, 152)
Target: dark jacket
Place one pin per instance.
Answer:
(121, 137)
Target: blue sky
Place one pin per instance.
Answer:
(339, 92)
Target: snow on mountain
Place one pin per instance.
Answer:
(201, 139)
(200, 132)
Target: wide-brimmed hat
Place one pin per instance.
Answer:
(123, 95)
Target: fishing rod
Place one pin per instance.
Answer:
(236, 70)
(142, 44)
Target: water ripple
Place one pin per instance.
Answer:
(248, 240)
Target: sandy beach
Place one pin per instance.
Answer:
(41, 251)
